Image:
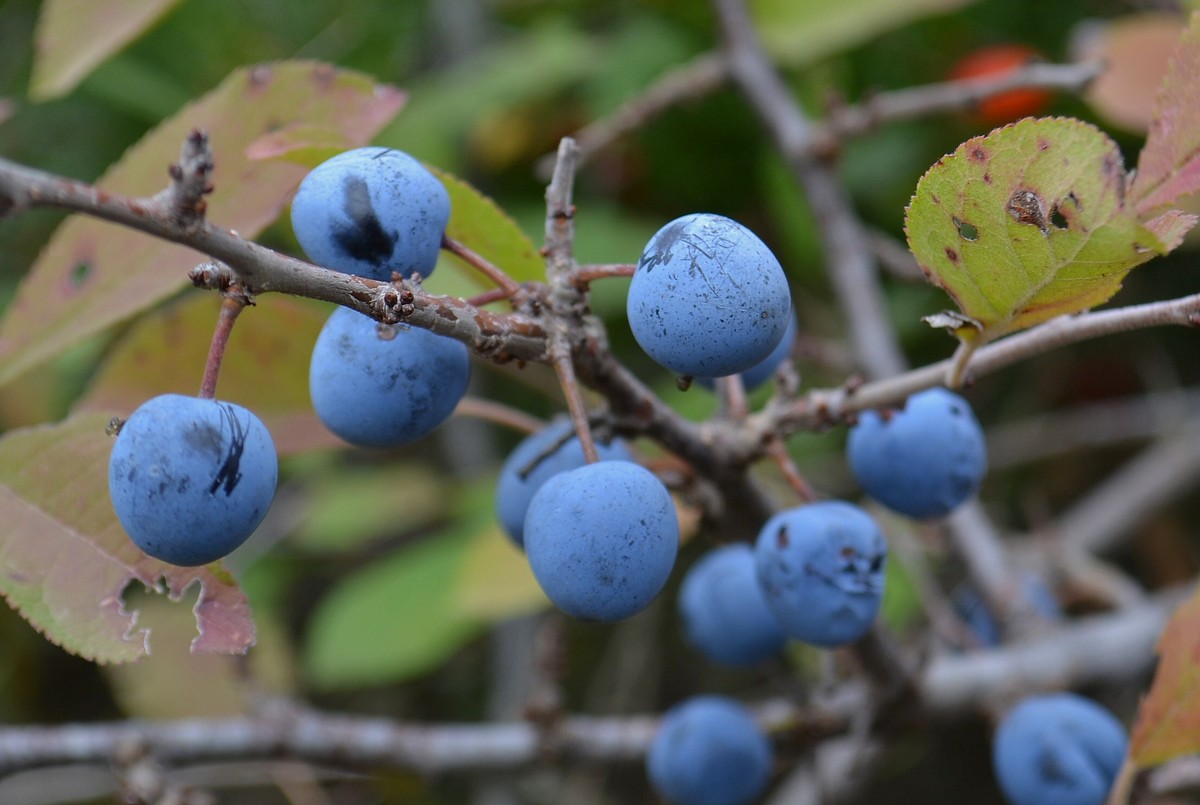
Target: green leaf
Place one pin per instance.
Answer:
(73, 36)
(349, 507)
(1168, 723)
(478, 223)
(265, 366)
(115, 273)
(392, 620)
(65, 561)
(1169, 164)
(1028, 223)
(407, 613)
(802, 32)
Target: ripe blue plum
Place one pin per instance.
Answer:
(601, 539)
(191, 478)
(821, 566)
(372, 211)
(708, 298)
(535, 460)
(709, 751)
(724, 610)
(381, 385)
(923, 461)
(1058, 749)
(764, 370)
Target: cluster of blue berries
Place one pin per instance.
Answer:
(191, 478)
(375, 212)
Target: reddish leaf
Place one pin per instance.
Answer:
(1169, 165)
(1135, 49)
(113, 273)
(1168, 723)
(65, 561)
(74, 37)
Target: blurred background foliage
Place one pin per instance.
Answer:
(380, 582)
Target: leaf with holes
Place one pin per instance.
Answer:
(1169, 164)
(117, 272)
(1168, 723)
(1029, 223)
(65, 561)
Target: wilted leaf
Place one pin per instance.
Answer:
(1028, 223)
(1168, 723)
(265, 366)
(74, 36)
(1169, 164)
(113, 273)
(65, 561)
(802, 32)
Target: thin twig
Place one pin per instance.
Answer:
(587, 274)
(481, 264)
(688, 81)
(500, 414)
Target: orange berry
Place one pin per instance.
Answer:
(996, 60)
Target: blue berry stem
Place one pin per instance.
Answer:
(232, 304)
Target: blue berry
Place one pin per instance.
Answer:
(922, 461)
(821, 567)
(708, 298)
(191, 478)
(724, 610)
(530, 465)
(764, 370)
(709, 751)
(1058, 749)
(384, 385)
(601, 539)
(372, 211)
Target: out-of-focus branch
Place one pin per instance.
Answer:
(688, 81)
(913, 102)
(1108, 649)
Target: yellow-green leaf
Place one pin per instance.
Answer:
(1028, 223)
(74, 36)
(94, 274)
(478, 223)
(800, 32)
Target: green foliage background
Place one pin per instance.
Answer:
(380, 583)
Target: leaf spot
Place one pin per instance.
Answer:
(978, 154)
(952, 255)
(1027, 207)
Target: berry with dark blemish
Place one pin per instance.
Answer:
(191, 478)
